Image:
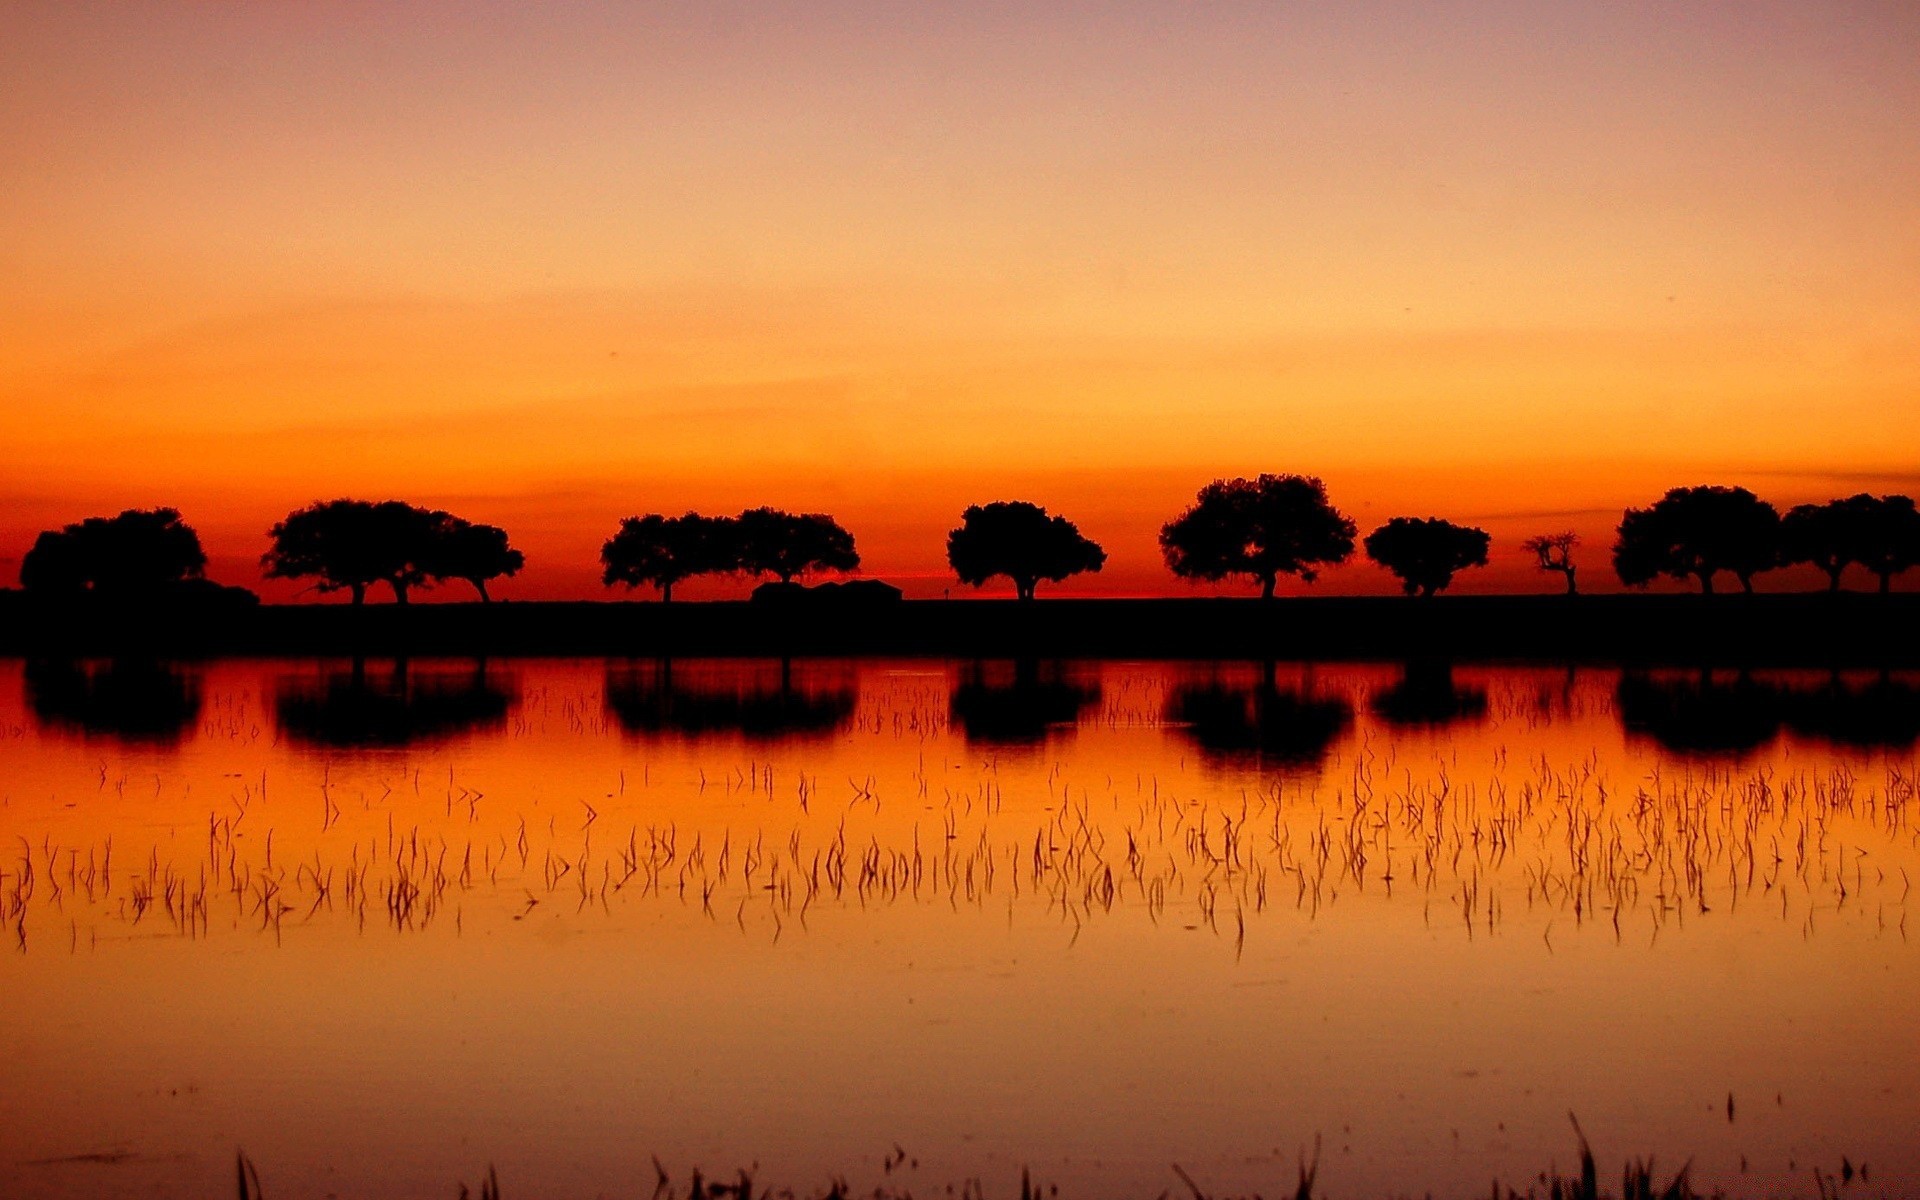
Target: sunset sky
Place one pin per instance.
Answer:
(1514, 264)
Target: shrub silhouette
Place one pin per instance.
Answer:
(783, 544)
(1425, 552)
(136, 554)
(1022, 542)
(1695, 533)
(662, 551)
(353, 544)
(1555, 553)
(1889, 536)
(476, 553)
(1260, 529)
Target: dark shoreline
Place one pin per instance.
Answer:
(1809, 629)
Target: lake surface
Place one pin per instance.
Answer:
(917, 923)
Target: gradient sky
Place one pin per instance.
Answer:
(1517, 264)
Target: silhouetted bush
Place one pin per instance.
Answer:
(1695, 533)
(134, 556)
(661, 551)
(132, 700)
(1424, 553)
(1889, 536)
(1426, 694)
(402, 706)
(1022, 542)
(655, 698)
(1258, 724)
(1260, 529)
(1017, 704)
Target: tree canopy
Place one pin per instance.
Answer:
(784, 544)
(1695, 533)
(1021, 541)
(1889, 536)
(661, 551)
(460, 549)
(353, 544)
(1259, 529)
(1425, 552)
(138, 552)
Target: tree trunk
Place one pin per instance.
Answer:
(399, 591)
(1023, 588)
(1706, 583)
(666, 592)
(1266, 587)
(359, 593)
(1886, 582)
(1833, 576)
(480, 585)
(1573, 589)
(1746, 583)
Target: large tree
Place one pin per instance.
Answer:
(1889, 536)
(1021, 541)
(784, 544)
(661, 551)
(1260, 529)
(1829, 536)
(1425, 552)
(1695, 533)
(137, 553)
(476, 553)
(351, 545)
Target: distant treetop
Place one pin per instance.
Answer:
(137, 553)
(783, 544)
(1425, 552)
(1696, 533)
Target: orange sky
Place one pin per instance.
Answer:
(1514, 264)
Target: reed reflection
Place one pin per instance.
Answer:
(1427, 695)
(1019, 703)
(1259, 723)
(402, 705)
(129, 699)
(756, 701)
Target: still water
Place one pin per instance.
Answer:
(918, 923)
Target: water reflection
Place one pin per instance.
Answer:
(1258, 723)
(404, 704)
(136, 701)
(1704, 713)
(1426, 694)
(1018, 703)
(751, 700)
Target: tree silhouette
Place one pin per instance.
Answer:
(1424, 552)
(662, 551)
(476, 553)
(1889, 536)
(354, 544)
(1258, 528)
(1829, 536)
(138, 553)
(1019, 540)
(1555, 553)
(784, 544)
(1695, 533)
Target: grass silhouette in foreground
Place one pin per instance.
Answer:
(1639, 1180)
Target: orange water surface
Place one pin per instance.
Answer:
(383, 925)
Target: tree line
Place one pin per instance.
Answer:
(1258, 530)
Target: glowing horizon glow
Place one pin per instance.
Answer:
(1515, 267)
